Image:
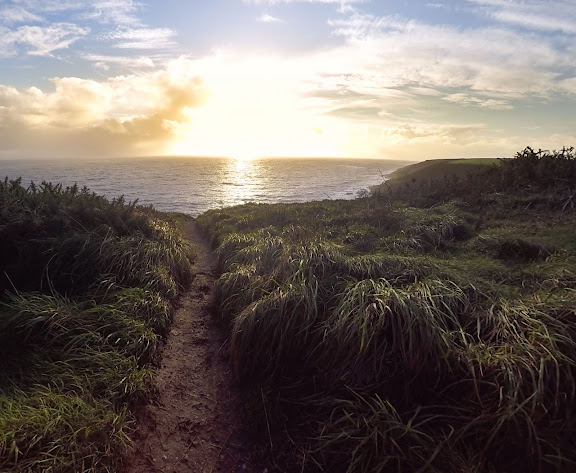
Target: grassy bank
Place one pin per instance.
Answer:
(85, 286)
(441, 168)
(429, 327)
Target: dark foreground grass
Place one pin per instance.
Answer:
(85, 287)
(427, 328)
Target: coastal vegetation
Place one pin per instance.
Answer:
(86, 286)
(429, 327)
(439, 169)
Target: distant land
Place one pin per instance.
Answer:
(436, 169)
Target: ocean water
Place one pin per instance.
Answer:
(194, 185)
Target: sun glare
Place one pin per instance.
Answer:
(242, 164)
(258, 114)
(242, 156)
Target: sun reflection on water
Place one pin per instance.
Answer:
(243, 164)
(243, 181)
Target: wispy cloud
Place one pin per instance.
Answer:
(265, 18)
(275, 2)
(104, 61)
(50, 6)
(16, 14)
(461, 134)
(398, 52)
(118, 12)
(40, 40)
(475, 101)
(569, 85)
(143, 38)
(550, 15)
(362, 26)
(31, 27)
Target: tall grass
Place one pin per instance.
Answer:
(288, 316)
(378, 330)
(48, 431)
(429, 328)
(85, 285)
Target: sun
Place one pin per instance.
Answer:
(259, 114)
(243, 156)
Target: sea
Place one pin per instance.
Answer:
(193, 185)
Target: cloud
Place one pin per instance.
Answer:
(143, 38)
(50, 6)
(393, 52)
(275, 2)
(39, 40)
(550, 15)
(361, 26)
(121, 115)
(16, 14)
(42, 32)
(74, 103)
(474, 101)
(359, 113)
(569, 85)
(133, 62)
(424, 91)
(444, 134)
(387, 83)
(265, 18)
(117, 12)
(430, 141)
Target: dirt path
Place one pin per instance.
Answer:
(194, 425)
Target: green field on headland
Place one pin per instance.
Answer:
(429, 327)
(86, 285)
(439, 169)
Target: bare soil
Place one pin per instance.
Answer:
(194, 423)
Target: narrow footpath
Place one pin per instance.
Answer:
(194, 423)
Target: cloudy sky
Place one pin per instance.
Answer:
(370, 78)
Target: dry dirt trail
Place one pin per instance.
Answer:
(194, 424)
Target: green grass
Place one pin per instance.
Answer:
(441, 168)
(427, 328)
(86, 285)
(48, 431)
(476, 162)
